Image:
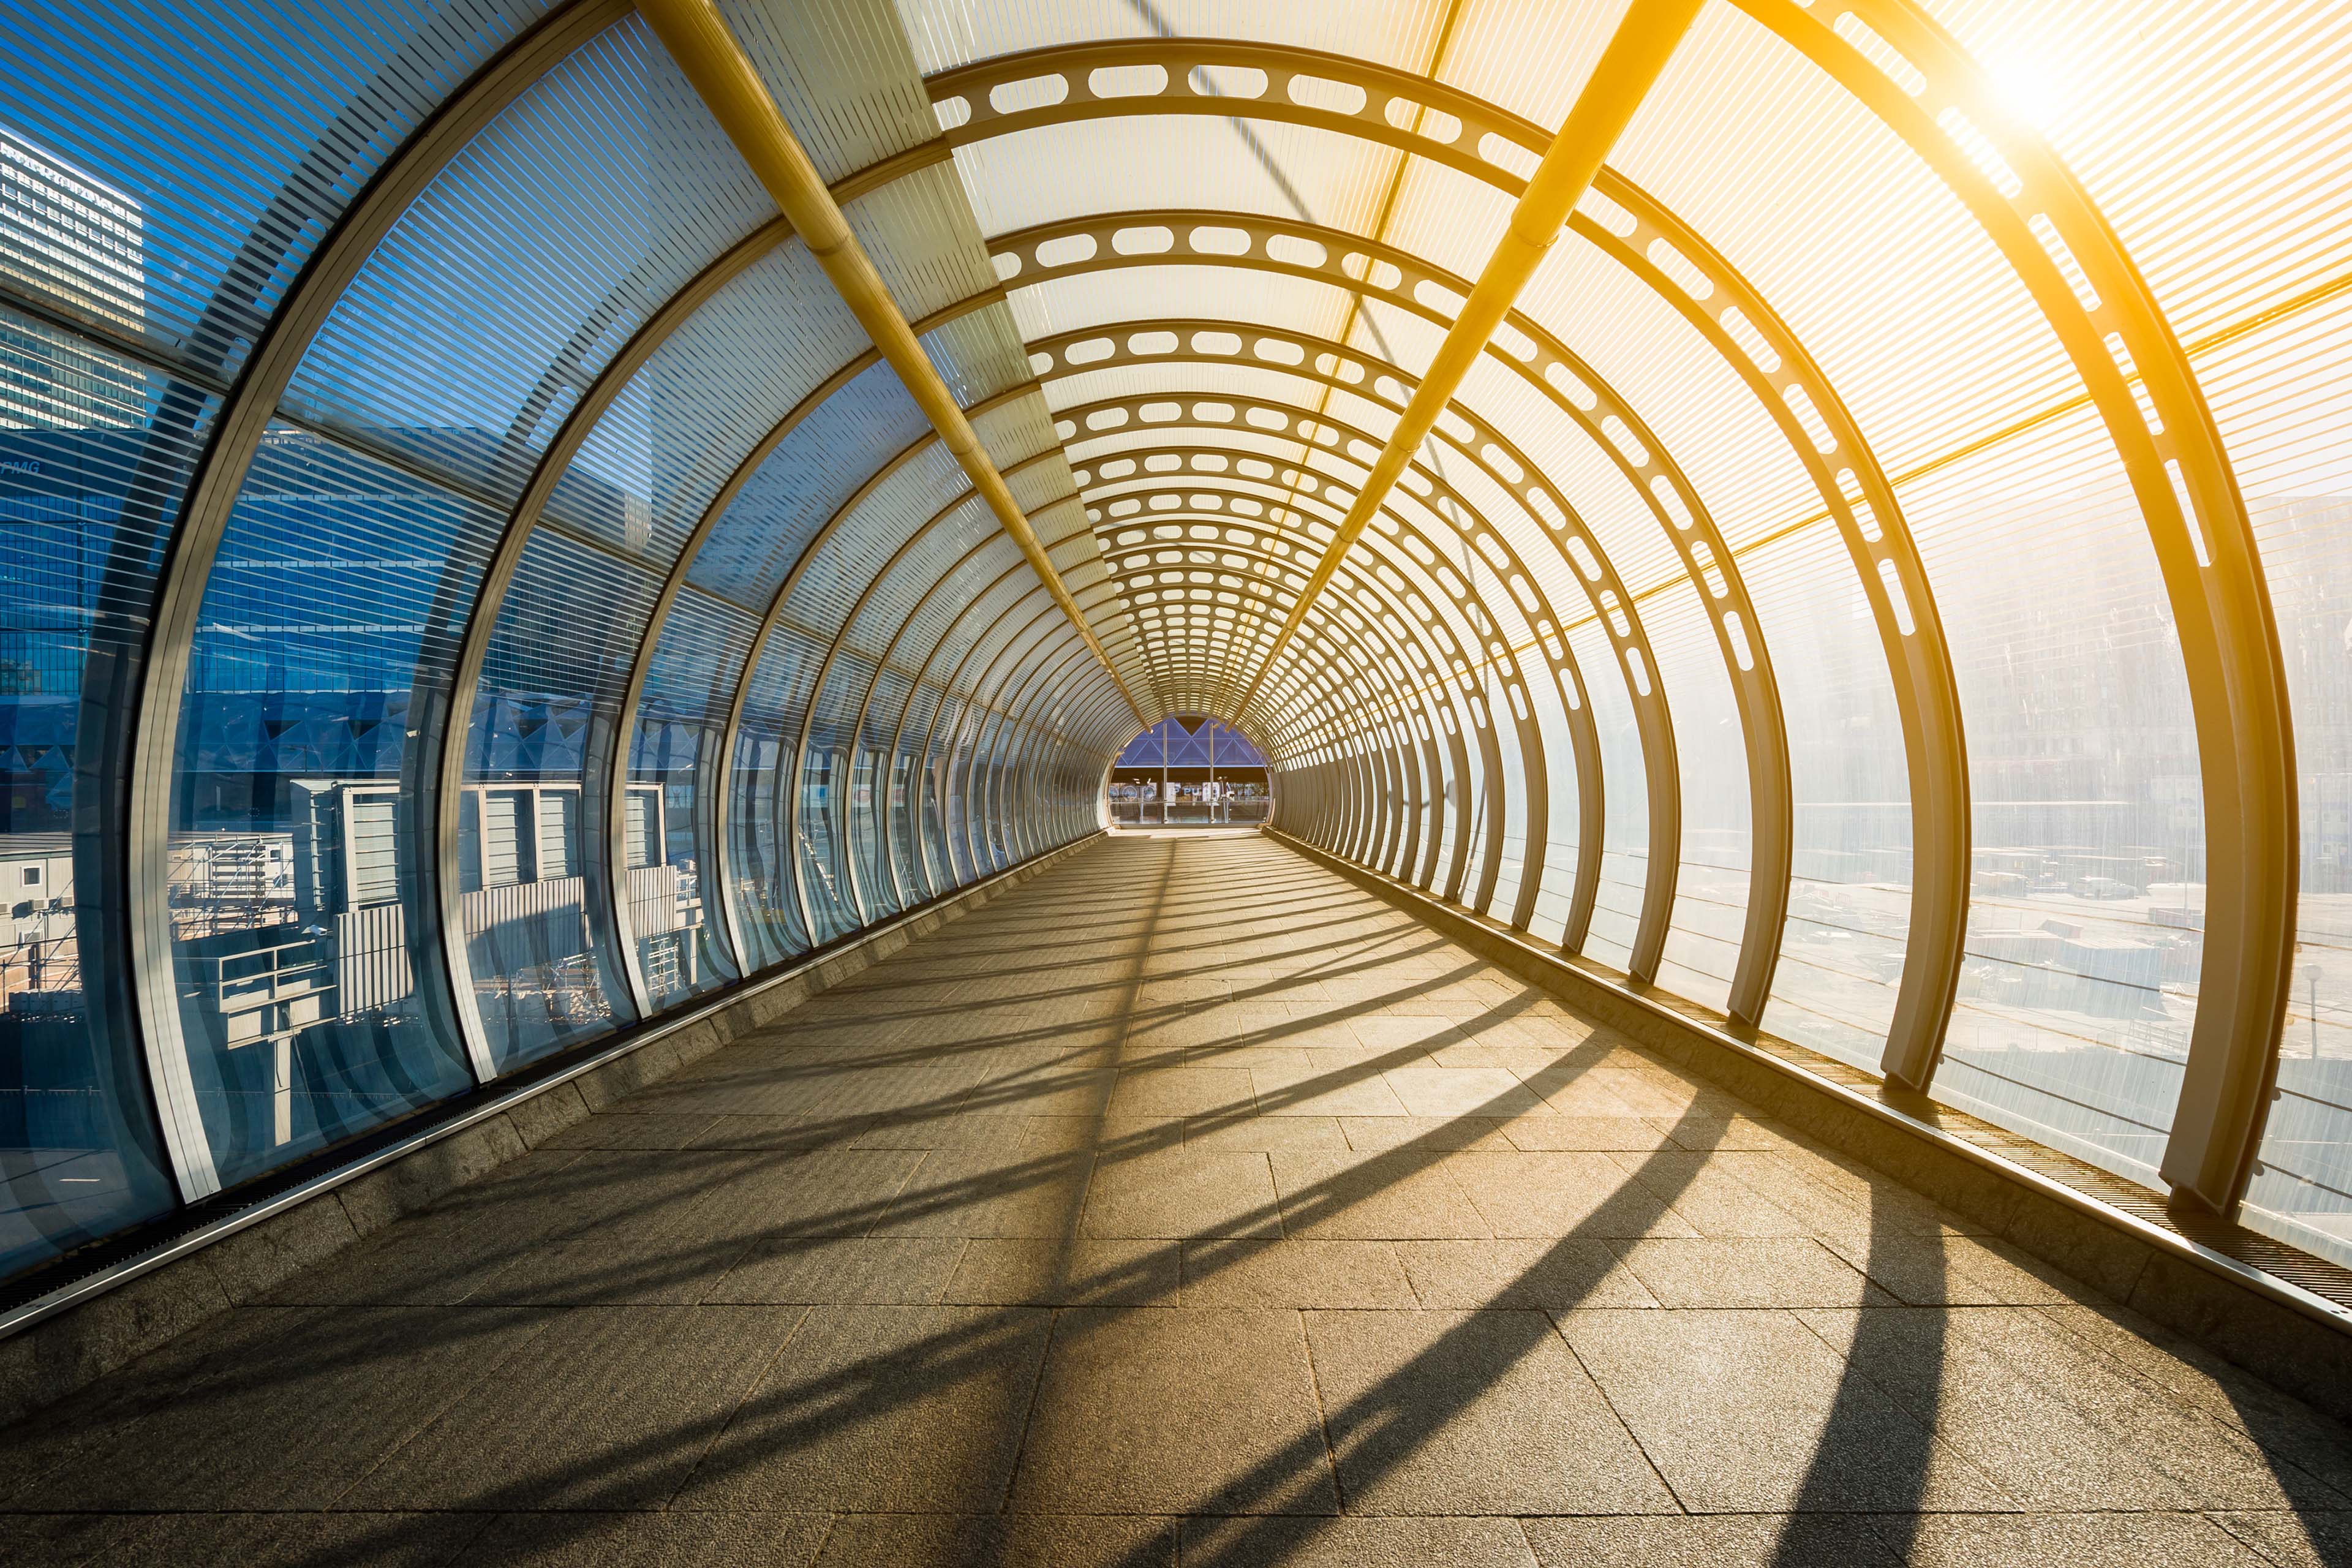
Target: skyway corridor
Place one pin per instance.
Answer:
(1186, 1204)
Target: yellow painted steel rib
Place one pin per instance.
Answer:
(698, 39)
(1627, 69)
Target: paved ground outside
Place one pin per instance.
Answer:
(1186, 1204)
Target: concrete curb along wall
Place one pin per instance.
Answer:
(2289, 1336)
(59, 1343)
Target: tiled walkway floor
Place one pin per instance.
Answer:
(1186, 1201)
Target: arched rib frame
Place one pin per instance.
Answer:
(1440, 637)
(1687, 524)
(1470, 521)
(1471, 608)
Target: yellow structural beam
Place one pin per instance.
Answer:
(1627, 69)
(699, 39)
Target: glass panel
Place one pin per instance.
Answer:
(765, 857)
(715, 389)
(1711, 750)
(681, 727)
(2280, 399)
(949, 757)
(540, 950)
(196, 208)
(2075, 1005)
(1625, 802)
(1550, 921)
(893, 777)
(865, 836)
(807, 479)
(1842, 950)
(94, 457)
(1515, 799)
(824, 869)
(914, 838)
(1450, 793)
(997, 783)
(528, 264)
(330, 617)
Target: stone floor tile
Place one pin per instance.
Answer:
(1227, 1024)
(2286, 1431)
(608, 1409)
(310, 1402)
(1081, 1090)
(998, 1540)
(1769, 1271)
(2215, 1465)
(987, 1192)
(1121, 1135)
(815, 1087)
(1064, 1272)
(1940, 1267)
(1832, 1191)
(1557, 1276)
(1278, 1059)
(1742, 1414)
(1572, 1134)
(1548, 1195)
(1717, 1541)
(1185, 989)
(777, 1134)
(1467, 1054)
(1181, 1091)
(1735, 1132)
(948, 1130)
(1442, 1091)
(2011, 1422)
(1572, 1090)
(2293, 1540)
(1350, 1543)
(1265, 1135)
(60, 1540)
(1393, 1195)
(881, 1409)
(1182, 1191)
(614, 1131)
(2069, 1540)
(1241, 1273)
(1348, 1086)
(457, 1247)
(1184, 1412)
(840, 1271)
(678, 1539)
(672, 1241)
(836, 1192)
(1428, 1004)
(1471, 1412)
(1710, 1192)
(1390, 1032)
(1427, 1133)
(1675, 1314)
(281, 1540)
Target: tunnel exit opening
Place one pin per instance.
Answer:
(1189, 771)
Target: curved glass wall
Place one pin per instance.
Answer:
(472, 586)
(328, 630)
(457, 734)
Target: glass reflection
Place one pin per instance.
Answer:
(329, 612)
(94, 453)
(533, 833)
